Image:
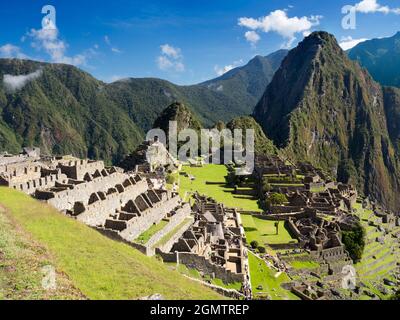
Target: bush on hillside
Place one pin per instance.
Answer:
(354, 241)
(254, 244)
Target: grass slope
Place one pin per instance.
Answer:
(99, 267)
(22, 262)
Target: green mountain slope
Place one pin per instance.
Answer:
(247, 84)
(145, 99)
(64, 110)
(221, 99)
(324, 108)
(381, 57)
(100, 268)
(262, 144)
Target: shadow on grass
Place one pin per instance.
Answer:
(250, 229)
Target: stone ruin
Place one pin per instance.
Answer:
(322, 238)
(316, 210)
(214, 242)
(120, 204)
(332, 201)
(148, 156)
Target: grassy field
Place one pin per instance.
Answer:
(218, 189)
(99, 267)
(264, 231)
(297, 264)
(264, 281)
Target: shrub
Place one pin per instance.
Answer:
(171, 179)
(254, 244)
(261, 249)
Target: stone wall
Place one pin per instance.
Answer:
(166, 247)
(65, 199)
(77, 169)
(137, 225)
(205, 266)
(30, 187)
(181, 214)
(96, 213)
(114, 235)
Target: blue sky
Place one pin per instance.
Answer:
(182, 41)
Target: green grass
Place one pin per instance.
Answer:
(220, 192)
(146, 236)
(234, 286)
(297, 264)
(262, 275)
(21, 266)
(317, 189)
(264, 231)
(99, 267)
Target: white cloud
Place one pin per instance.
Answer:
(47, 39)
(171, 58)
(279, 22)
(252, 37)
(347, 43)
(372, 6)
(116, 50)
(222, 70)
(10, 51)
(14, 83)
(170, 51)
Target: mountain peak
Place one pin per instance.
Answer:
(322, 107)
(177, 111)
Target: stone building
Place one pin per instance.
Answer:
(214, 242)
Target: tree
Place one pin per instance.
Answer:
(277, 227)
(276, 199)
(254, 244)
(266, 186)
(354, 241)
